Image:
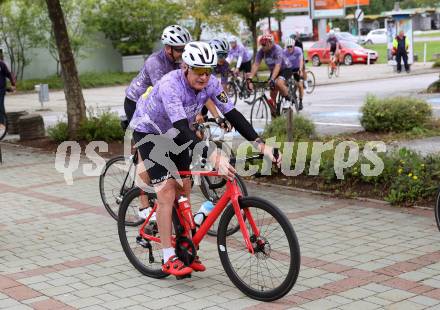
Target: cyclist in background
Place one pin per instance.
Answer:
(221, 47)
(334, 46)
(241, 54)
(295, 56)
(278, 65)
(4, 74)
(298, 43)
(174, 103)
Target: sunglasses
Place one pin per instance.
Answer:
(201, 71)
(290, 46)
(178, 49)
(222, 55)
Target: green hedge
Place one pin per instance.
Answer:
(104, 127)
(396, 114)
(302, 128)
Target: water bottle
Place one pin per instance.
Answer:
(203, 212)
(185, 207)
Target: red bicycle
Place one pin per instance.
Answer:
(262, 261)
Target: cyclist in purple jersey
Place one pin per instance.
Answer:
(221, 47)
(174, 38)
(239, 52)
(295, 56)
(278, 64)
(173, 104)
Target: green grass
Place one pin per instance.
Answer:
(433, 47)
(87, 80)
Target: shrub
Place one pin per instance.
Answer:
(396, 114)
(435, 87)
(302, 127)
(436, 64)
(105, 127)
(59, 132)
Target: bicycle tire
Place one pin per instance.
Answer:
(259, 113)
(251, 95)
(329, 71)
(310, 82)
(292, 92)
(111, 204)
(437, 209)
(3, 126)
(213, 230)
(286, 279)
(126, 236)
(232, 92)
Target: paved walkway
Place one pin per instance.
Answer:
(60, 250)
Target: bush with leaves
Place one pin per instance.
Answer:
(302, 128)
(396, 114)
(59, 132)
(104, 127)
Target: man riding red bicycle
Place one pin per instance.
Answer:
(173, 104)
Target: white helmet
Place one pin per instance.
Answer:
(199, 54)
(290, 42)
(220, 46)
(175, 35)
(331, 33)
(232, 39)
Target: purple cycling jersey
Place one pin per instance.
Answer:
(172, 99)
(156, 66)
(239, 50)
(223, 70)
(273, 57)
(294, 58)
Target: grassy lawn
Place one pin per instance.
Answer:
(87, 80)
(428, 35)
(433, 47)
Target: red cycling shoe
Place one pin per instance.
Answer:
(197, 265)
(176, 267)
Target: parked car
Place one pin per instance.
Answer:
(376, 36)
(347, 36)
(351, 53)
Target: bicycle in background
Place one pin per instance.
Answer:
(237, 88)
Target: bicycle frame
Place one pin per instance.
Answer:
(232, 194)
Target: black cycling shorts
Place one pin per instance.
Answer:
(285, 73)
(129, 107)
(246, 66)
(156, 170)
(296, 75)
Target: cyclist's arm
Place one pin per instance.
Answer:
(254, 69)
(210, 106)
(8, 73)
(275, 72)
(239, 60)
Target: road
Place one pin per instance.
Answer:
(334, 108)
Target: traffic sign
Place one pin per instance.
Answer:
(359, 15)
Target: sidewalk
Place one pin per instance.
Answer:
(60, 250)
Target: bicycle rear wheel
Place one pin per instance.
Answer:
(259, 114)
(232, 92)
(271, 272)
(437, 210)
(310, 82)
(135, 247)
(3, 126)
(115, 181)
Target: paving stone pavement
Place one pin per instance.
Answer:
(59, 249)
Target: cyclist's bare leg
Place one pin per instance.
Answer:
(145, 178)
(300, 85)
(281, 86)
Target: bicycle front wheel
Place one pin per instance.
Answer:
(115, 181)
(232, 92)
(3, 126)
(144, 255)
(259, 114)
(271, 272)
(437, 210)
(310, 82)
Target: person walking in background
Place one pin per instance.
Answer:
(400, 49)
(4, 73)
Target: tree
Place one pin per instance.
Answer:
(134, 26)
(407, 4)
(207, 13)
(81, 29)
(17, 32)
(252, 11)
(378, 6)
(76, 109)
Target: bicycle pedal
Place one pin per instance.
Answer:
(183, 277)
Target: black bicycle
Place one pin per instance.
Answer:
(285, 104)
(237, 88)
(3, 126)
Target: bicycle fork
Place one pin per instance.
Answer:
(256, 233)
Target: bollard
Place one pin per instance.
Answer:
(424, 53)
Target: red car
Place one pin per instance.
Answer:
(350, 53)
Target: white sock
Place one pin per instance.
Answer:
(167, 253)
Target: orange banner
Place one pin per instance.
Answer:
(304, 4)
(328, 4)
